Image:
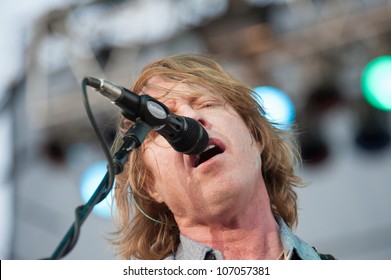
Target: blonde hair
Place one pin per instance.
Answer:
(149, 230)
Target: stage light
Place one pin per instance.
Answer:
(376, 83)
(278, 106)
(89, 182)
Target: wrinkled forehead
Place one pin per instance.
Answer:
(163, 88)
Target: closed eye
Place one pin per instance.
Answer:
(208, 104)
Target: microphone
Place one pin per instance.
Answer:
(184, 134)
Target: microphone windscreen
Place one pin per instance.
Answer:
(194, 138)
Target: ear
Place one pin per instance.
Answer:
(153, 192)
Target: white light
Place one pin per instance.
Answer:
(278, 107)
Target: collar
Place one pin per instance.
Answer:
(294, 247)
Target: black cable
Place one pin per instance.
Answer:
(102, 191)
(98, 134)
(131, 140)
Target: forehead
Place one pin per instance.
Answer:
(164, 88)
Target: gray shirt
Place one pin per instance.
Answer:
(294, 248)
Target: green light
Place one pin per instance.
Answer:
(376, 83)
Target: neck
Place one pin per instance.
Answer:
(251, 233)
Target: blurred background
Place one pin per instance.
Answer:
(331, 60)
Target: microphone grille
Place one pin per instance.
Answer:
(195, 138)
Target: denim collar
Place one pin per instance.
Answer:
(294, 245)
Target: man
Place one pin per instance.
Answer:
(235, 200)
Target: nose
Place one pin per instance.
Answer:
(187, 111)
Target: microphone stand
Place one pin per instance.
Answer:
(131, 141)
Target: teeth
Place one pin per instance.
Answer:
(209, 147)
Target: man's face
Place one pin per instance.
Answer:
(223, 178)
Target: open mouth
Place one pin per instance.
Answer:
(210, 151)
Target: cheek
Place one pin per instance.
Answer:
(156, 141)
(150, 159)
(155, 160)
(162, 164)
(249, 149)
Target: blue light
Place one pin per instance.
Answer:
(278, 106)
(89, 182)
